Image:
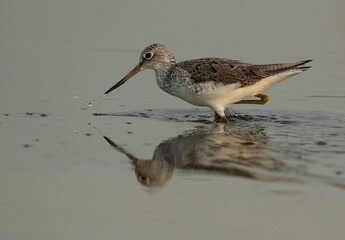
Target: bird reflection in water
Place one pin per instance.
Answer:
(214, 148)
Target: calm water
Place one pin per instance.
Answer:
(142, 164)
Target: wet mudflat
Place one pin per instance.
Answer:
(142, 164)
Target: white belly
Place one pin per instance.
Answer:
(218, 95)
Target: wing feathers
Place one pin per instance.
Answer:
(229, 71)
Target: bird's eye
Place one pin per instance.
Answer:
(148, 55)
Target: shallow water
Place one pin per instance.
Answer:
(142, 164)
(268, 146)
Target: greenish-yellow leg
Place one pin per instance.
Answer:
(263, 99)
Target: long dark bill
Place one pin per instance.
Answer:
(134, 71)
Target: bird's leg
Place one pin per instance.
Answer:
(218, 118)
(263, 99)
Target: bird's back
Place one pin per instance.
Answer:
(228, 71)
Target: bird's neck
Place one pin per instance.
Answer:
(163, 77)
(161, 73)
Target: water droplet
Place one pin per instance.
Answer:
(75, 131)
(90, 104)
(76, 96)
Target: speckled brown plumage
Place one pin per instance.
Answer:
(228, 71)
